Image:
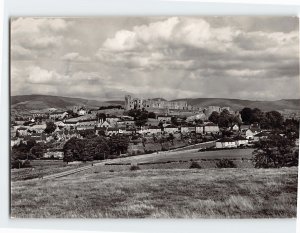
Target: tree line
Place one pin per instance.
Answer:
(95, 148)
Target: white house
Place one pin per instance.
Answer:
(235, 128)
(112, 131)
(250, 134)
(164, 118)
(225, 143)
(104, 124)
(239, 140)
(199, 129)
(211, 128)
(171, 129)
(81, 112)
(58, 115)
(184, 129)
(259, 136)
(22, 131)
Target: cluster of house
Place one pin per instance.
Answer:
(247, 134)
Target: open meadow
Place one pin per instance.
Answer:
(172, 159)
(160, 193)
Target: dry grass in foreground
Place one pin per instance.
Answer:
(182, 193)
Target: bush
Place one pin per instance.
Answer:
(20, 164)
(134, 168)
(195, 165)
(275, 152)
(225, 163)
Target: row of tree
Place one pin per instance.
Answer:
(26, 151)
(141, 116)
(276, 151)
(224, 119)
(94, 148)
(267, 120)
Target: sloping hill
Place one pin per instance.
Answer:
(237, 104)
(37, 102)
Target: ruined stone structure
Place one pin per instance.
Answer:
(150, 104)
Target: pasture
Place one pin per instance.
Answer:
(162, 160)
(160, 193)
(42, 168)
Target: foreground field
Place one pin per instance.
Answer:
(172, 159)
(42, 168)
(158, 193)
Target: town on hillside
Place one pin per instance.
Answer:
(140, 126)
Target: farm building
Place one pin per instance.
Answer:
(171, 129)
(211, 128)
(226, 143)
(239, 140)
(259, 136)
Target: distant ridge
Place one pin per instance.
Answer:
(237, 104)
(38, 102)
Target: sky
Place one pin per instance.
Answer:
(105, 58)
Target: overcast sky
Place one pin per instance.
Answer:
(170, 57)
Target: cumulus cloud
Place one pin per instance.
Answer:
(169, 57)
(74, 57)
(38, 35)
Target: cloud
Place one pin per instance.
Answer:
(169, 57)
(74, 57)
(41, 76)
(38, 35)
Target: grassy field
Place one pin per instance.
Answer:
(160, 193)
(177, 159)
(188, 155)
(42, 168)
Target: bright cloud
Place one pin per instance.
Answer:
(169, 57)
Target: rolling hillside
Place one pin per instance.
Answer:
(237, 104)
(38, 102)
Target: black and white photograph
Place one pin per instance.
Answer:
(159, 117)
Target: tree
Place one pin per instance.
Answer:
(140, 116)
(257, 116)
(214, 117)
(118, 144)
(50, 127)
(101, 116)
(95, 149)
(275, 119)
(174, 121)
(275, 152)
(88, 133)
(74, 148)
(151, 115)
(38, 150)
(68, 156)
(171, 138)
(246, 115)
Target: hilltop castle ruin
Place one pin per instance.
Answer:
(152, 104)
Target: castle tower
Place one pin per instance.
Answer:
(127, 102)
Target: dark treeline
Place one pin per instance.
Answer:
(96, 148)
(110, 107)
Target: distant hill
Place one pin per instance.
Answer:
(237, 104)
(39, 102)
(25, 103)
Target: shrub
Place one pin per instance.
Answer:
(134, 168)
(275, 152)
(195, 165)
(20, 164)
(225, 163)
